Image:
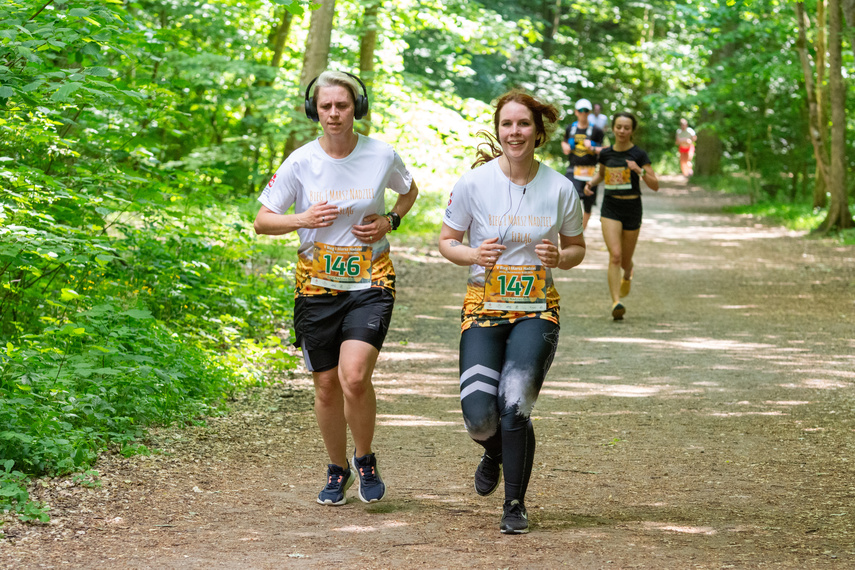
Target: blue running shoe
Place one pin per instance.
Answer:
(371, 486)
(338, 482)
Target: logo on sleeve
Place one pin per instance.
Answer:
(272, 180)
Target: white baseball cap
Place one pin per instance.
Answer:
(583, 104)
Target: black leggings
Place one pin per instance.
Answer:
(502, 369)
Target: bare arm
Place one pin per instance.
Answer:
(376, 226)
(645, 173)
(570, 254)
(452, 248)
(650, 178)
(318, 215)
(405, 201)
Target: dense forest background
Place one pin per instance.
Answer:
(135, 137)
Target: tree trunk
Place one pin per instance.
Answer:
(817, 134)
(849, 14)
(279, 38)
(553, 13)
(318, 43)
(709, 148)
(367, 47)
(314, 62)
(820, 189)
(839, 216)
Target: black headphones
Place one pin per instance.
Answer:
(359, 111)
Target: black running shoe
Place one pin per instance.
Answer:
(371, 486)
(515, 519)
(487, 475)
(338, 482)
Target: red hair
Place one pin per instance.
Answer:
(545, 118)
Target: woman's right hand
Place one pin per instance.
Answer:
(487, 254)
(320, 215)
(587, 190)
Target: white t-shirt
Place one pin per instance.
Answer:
(356, 184)
(600, 121)
(487, 204)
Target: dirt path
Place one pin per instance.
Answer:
(712, 428)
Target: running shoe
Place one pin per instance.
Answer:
(487, 475)
(625, 285)
(514, 519)
(617, 311)
(338, 482)
(371, 486)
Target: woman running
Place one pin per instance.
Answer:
(622, 166)
(523, 220)
(345, 282)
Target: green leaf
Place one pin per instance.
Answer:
(138, 314)
(69, 294)
(98, 71)
(32, 86)
(6, 92)
(67, 89)
(79, 12)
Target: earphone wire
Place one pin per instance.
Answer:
(488, 271)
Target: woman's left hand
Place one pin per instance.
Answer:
(548, 253)
(372, 229)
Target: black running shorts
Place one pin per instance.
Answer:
(323, 322)
(628, 212)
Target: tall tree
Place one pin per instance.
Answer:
(710, 147)
(849, 14)
(813, 92)
(839, 216)
(315, 61)
(821, 174)
(367, 47)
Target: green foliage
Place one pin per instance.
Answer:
(132, 293)
(15, 497)
(798, 216)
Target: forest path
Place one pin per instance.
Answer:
(712, 428)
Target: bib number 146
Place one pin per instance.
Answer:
(341, 267)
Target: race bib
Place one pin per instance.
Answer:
(584, 172)
(341, 267)
(516, 288)
(617, 178)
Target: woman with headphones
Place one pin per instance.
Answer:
(524, 220)
(345, 281)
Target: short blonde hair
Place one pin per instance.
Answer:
(337, 79)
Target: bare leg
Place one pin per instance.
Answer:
(612, 232)
(629, 239)
(356, 365)
(329, 411)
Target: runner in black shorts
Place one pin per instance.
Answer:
(523, 221)
(622, 166)
(345, 281)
